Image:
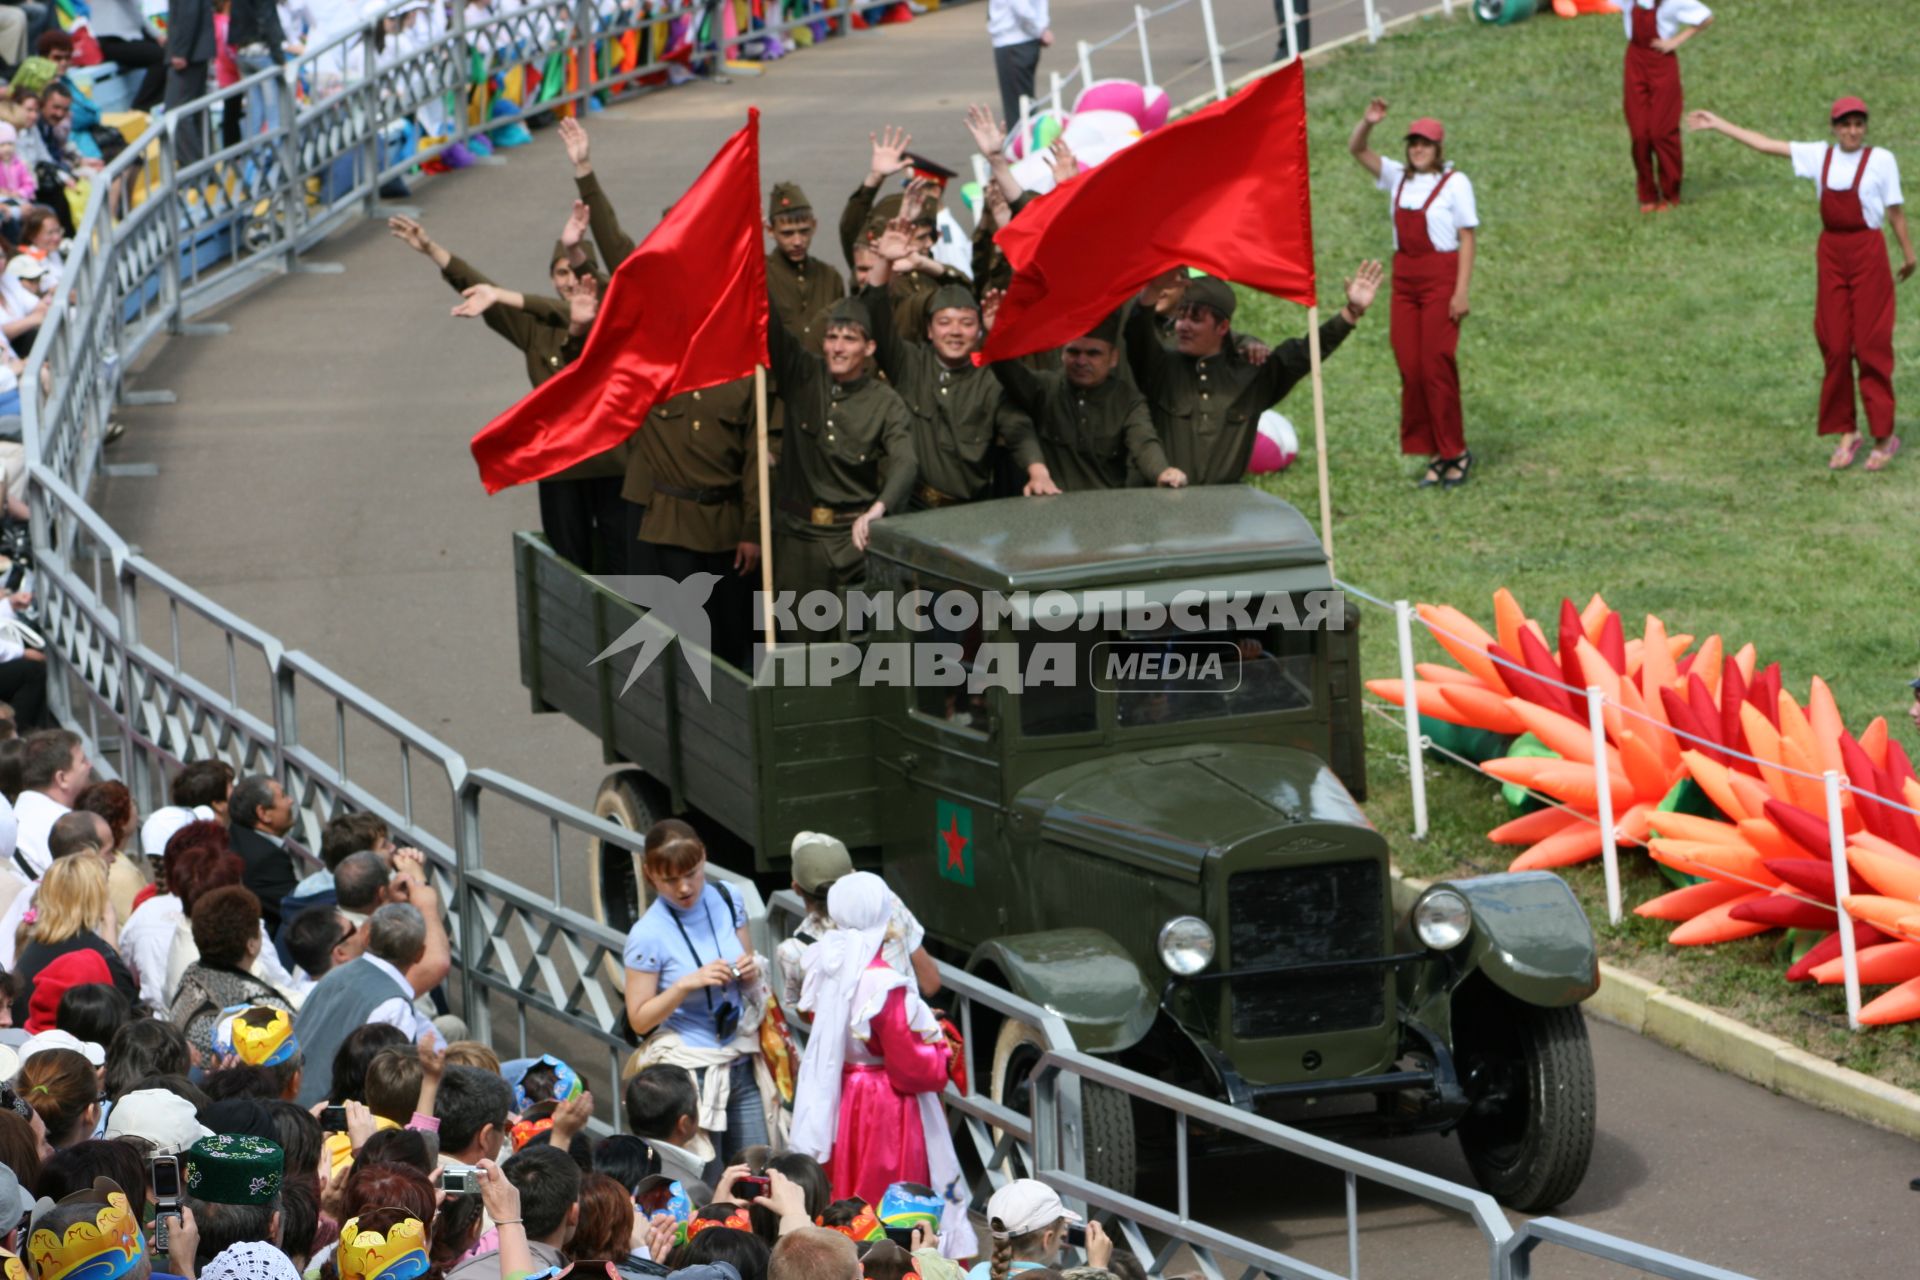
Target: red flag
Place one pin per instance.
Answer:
(686, 310)
(1224, 190)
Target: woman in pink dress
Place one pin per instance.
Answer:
(867, 1105)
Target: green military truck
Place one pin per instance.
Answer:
(1175, 864)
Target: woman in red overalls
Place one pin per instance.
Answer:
(1859, 190)
(1655, 31)
(1433, 240)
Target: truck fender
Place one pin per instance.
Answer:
(1082, 975)
(1530, 937)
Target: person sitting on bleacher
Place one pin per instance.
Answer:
(128, 43)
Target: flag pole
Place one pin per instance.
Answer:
(1320, 434)
(766, 517)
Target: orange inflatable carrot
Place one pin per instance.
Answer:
(1751, 794)
(1565, 737)
(1718, 925)
(1766, 840)
(1722, 861)
(1897, 874)
(1508, 618)
(1808, 792)
(1485, 708)
(1686, 903)
(1686, 826)
(1631, 828)
(1707, 665)
(1824, 716)
(1650, 781)
(1889, 962)
(1656, 662)
(1902, 1004)
(1794, 727)
(1593, 619)
(1745, 660)
(1763, 743)
(1440, 673)
(1531, 827)
(1873, 741)
(1577, 843)
(1880, 911)
(1713, 780)
(1467, 643)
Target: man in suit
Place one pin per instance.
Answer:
(190, 50)
(261, 815)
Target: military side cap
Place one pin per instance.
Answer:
(788, 199)
(1108, 330)
(850, 311)
(952, 295)
(818, 861)
(235, 1168)
(1211, 292)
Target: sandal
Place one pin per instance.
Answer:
(1456, 470)
(1883, 453)
(1844, 455)
(1433, 476)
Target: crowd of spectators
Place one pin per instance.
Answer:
(236, 1055)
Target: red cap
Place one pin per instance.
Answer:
(1429, 128)
(1847, 107)
(74, 969)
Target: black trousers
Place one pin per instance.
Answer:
(1299, 22)
(140, 53)
(590, 524)
(183, 86)
(729, 608)
(23, 686)
(1016, 65)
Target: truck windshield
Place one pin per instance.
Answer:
(1168, 677)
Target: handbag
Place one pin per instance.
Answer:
(777, 1050)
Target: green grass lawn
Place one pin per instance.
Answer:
(1640, 398)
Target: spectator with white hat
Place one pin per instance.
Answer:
(57, 1039)
(1029, 1226)
(161, 1117)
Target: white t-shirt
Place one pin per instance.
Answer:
(1453, 209)
(1880, 188)
(1668, 15)
(37, 812)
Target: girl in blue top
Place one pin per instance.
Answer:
(687, 958)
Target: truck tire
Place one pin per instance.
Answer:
(632, 800)
(1529, 1072)
(1106, 1114)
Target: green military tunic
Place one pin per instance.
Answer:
(539, 330)
(802, 295)
(911, 292)
(848, 445)
(1207, 410)
(958, 414)
(614, 243)
(1101, 438)
(696, 469)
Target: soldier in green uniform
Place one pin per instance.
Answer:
(803, 288)
(959, 410)
(1206, 397)
(848, 458)
(1094, 428)
(581, 511)
(867, 216)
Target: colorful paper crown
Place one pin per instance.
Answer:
(398, 1253)
(566, 1083)
(234, 1168)
(737, 1218)
(865, 1226)
(11, 1267)
(266, 1046)
(903, 1207)
(106, 1246)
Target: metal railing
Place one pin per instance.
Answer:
(154, 673)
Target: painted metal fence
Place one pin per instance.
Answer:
(154, 673)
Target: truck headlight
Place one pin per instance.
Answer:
(1441, 919)
(1186, 945)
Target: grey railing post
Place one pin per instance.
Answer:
(474, 1005)
(173, 209)
(133, 771)
(292, 185)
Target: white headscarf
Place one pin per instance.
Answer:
(861, 905)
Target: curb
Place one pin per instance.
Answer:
(1648, 1009)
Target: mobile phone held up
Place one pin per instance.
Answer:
(163, 1179)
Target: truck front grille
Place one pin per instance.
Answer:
(1299, 916)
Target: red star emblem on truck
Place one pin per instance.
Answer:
(956, 844)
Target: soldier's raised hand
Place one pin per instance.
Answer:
(988, 134)
(410, 233)
(475, 302)
(574, 138)
(576, 229)
(889, 151)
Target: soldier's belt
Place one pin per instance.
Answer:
(705, 497)
(932, 497)
(822, 515)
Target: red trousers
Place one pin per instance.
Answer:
(1425, 339)
(1853, 322)
(1653, 100)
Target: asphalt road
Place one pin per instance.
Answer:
(314, 477)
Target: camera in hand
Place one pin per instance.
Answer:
(334, 1119)
(749, 1187)
(1077, 1234)
(461, 1180)
(902, 1236)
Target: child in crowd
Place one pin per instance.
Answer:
(16, 182)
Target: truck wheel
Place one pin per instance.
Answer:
(1529, 1073)
(1106, 1114)
(632, 800)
